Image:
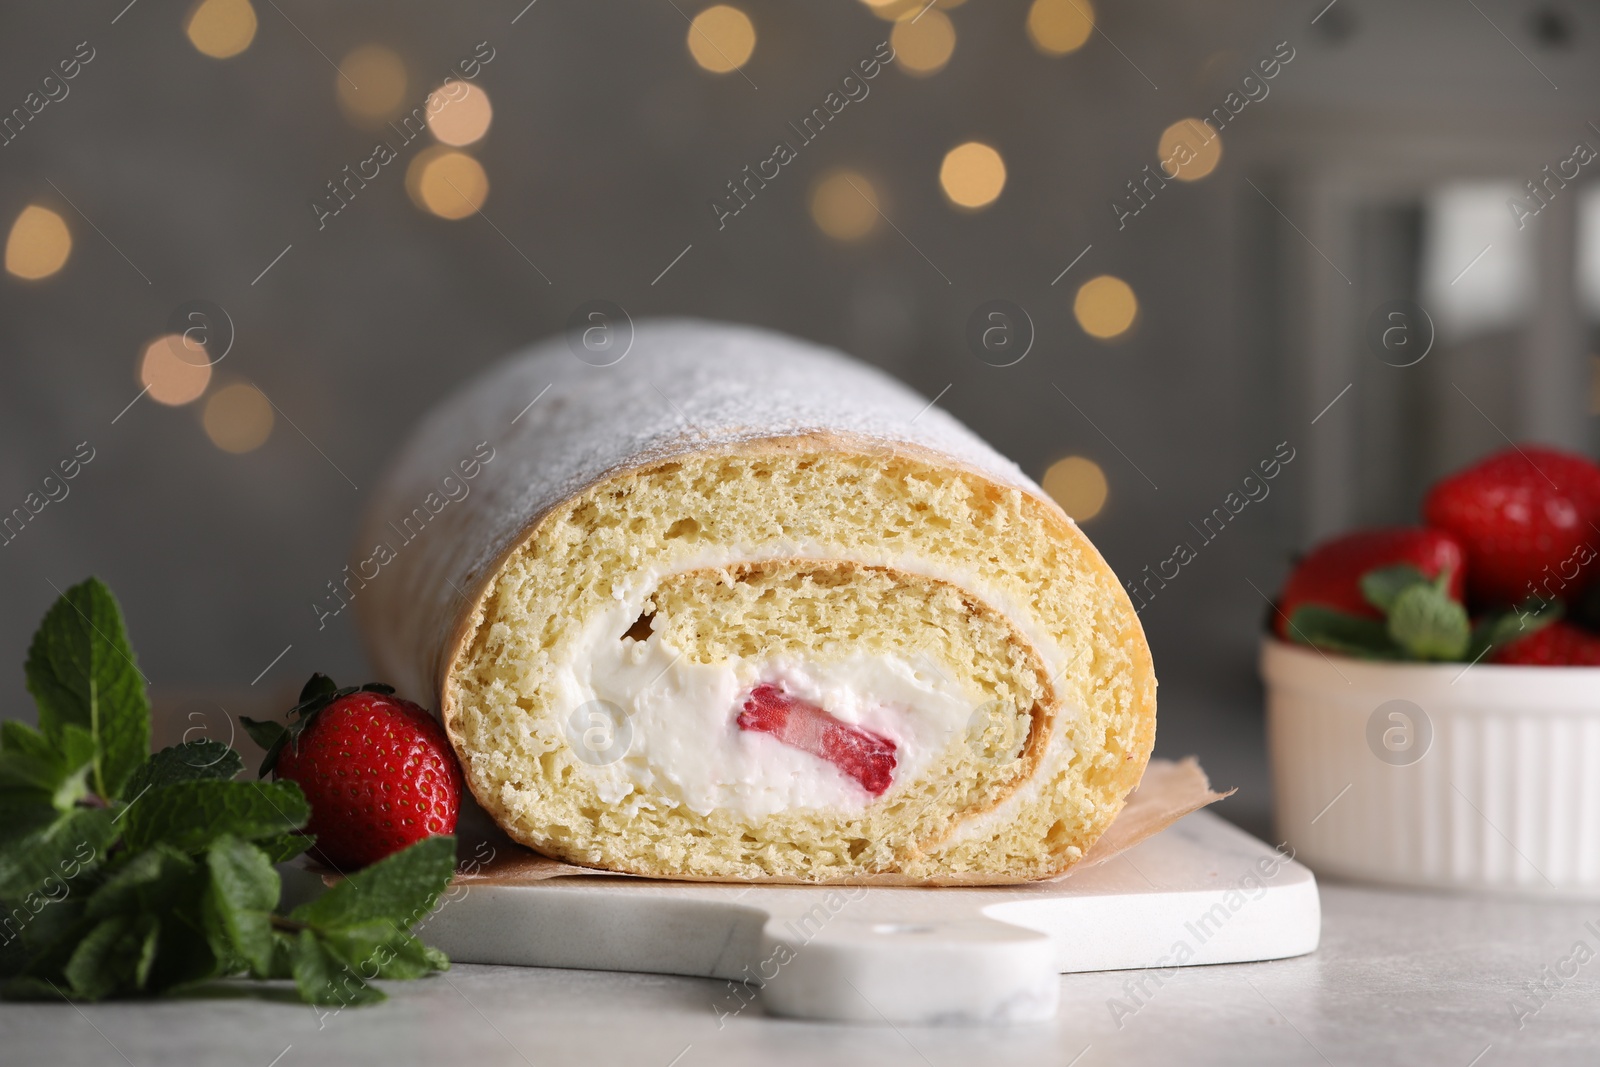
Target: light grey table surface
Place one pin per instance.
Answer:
(1401, 977)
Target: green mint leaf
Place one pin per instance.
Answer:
(285, 847)
(184, 955)
(145, 882)
(244, 890)
(57, 770)
(81, 671)
(23, 812)
(165, 890)
(147, 952)
(34, 926)
(271, 736)
(1382, 587)
(53, 852)
(78, 751)
(117, 956)
(23, 746)
(191, 815)
(1429, 625)
(400, 889)
(1336, 631)
(29, 988)
(24, 740)
(18, 771)
(284, 944)
(192, 761)
(105, 959)
(325, 979)
(378, 950)
(1498, 629)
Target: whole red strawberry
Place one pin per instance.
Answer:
(1330, 574)
(1527, 518)
(1560, 644)
(377, 771)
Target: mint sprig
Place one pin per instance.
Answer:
(191, 815)
(192, 761)
(127, 873)
(81, 673)
(1421, 621)
(1339, 631)
(1426, 622)
(30, 762)
(1499, 629)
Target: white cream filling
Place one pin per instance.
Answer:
(652, 727)
(673, 739)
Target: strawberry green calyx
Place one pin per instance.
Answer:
(1421, 621)
(1422, 618)
(1499, 629)
(316, 695)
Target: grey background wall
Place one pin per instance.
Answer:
(182, 176)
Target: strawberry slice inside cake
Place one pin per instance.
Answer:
(860, 754)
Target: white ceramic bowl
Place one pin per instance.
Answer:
(1437, 775)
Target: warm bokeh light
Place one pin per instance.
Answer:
(39, 243)
(173, 370)
(371, 84)
(721, 38)
(447, 183)
(1105, 306)
(972, 174)
(844, 205)
(221, 28)
(460, 114)
(1057, 27)
(1078, 485)
(923, 45)
(895, 10)
(238, 418)
(1189, 150)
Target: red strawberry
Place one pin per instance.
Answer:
(1527, 518)
(1330, 574)
(378, 771)
(861, 754)
(1559, 644)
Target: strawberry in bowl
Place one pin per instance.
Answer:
(1528, 518)
(1433, 692)
(1343, 591)
(1561, 644)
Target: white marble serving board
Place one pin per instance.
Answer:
(1199, 892)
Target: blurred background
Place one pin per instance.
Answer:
(1142, 247)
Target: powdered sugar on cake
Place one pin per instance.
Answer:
(685, 385)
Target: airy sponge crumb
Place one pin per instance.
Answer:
(827, 551)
